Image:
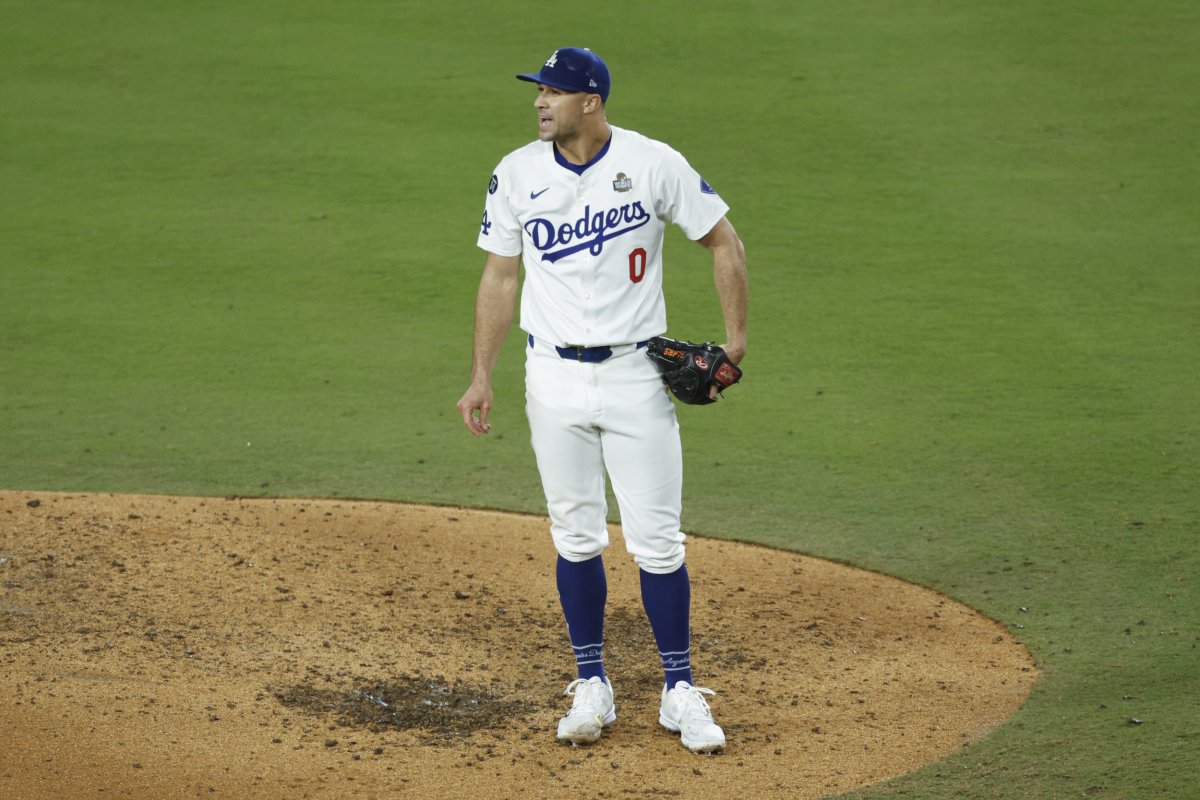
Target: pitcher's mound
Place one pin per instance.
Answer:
(162, 647)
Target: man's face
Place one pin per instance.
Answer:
(560, 113)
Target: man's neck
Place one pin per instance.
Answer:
(581, 149)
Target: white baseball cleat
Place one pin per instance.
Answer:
(685, 711)
(591, 710)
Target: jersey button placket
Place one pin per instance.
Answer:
(587, 265)
(587, 285)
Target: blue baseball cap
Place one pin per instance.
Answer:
(573, 69)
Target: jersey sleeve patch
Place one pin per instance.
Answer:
(493, 184)
(704, 187)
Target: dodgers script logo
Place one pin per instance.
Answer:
(589, 232)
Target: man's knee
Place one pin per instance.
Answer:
(658, 560)
(578, 546)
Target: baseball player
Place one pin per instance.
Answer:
(584, 209)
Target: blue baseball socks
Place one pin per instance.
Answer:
(667, 600)
(583, 591)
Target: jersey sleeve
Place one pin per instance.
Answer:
(685, 198)
(499, 231)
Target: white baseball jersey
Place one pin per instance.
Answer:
(592, 242)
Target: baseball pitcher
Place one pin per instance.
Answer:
(583, 209)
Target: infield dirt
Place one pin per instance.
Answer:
(169, 647)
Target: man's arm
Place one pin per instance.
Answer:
(493, 317)
(729, 275)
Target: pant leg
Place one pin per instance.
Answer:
(560, 400)
(644, 458)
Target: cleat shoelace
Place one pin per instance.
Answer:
(693, 703)
(585, 693)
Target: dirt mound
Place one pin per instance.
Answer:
(179, 647)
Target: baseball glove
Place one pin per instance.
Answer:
(689, 369)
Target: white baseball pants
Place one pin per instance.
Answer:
(585, 418)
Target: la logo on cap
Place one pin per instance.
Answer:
(553, 59)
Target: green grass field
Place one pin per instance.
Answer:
(237, 257)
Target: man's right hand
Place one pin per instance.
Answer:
(474, 406)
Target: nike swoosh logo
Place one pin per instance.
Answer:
(536, 195)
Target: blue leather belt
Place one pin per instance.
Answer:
(590, 355)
